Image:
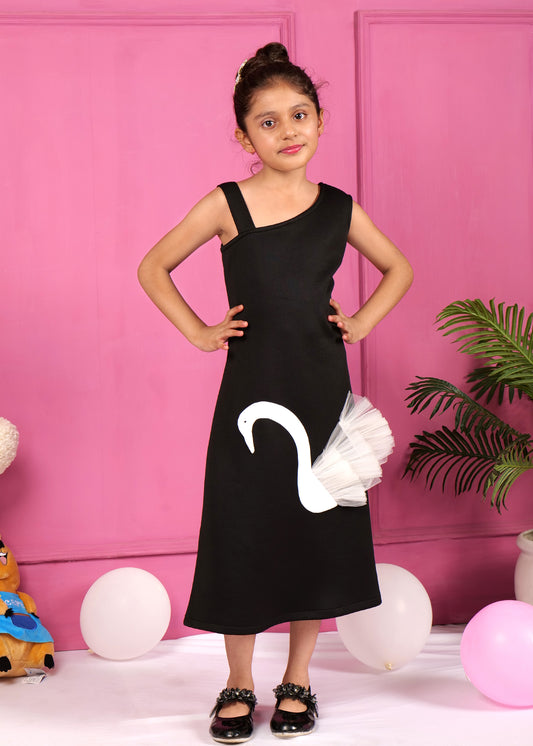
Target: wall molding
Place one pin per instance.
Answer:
(188, 545)
(367, 18)
(111, 551)
(285, 21)
(440, 532)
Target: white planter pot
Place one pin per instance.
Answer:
(523, 574)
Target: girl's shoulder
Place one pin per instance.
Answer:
(336, 201)
(336, 193)
(213, 208)
(212, 202)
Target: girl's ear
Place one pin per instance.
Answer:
(245, 141)
(321, 122)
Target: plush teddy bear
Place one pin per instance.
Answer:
(24, 642)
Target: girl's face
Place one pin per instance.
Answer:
(282, 128)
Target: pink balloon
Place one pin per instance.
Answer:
(497, 652)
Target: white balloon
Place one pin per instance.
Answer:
(124, 614)
(388, 636)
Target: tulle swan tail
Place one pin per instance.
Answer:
(350, 464)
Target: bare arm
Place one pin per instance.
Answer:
(204, 221)
(397, 278)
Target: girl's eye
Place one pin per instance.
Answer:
(299, 115)
(268, 123)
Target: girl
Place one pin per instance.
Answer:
(263, 557)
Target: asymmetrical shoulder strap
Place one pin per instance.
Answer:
(237, 205)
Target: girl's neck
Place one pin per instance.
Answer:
(292, 182)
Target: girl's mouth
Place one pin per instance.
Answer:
(291, 149)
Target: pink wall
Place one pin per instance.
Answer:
(116, 121)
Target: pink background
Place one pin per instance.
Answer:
(116, 118)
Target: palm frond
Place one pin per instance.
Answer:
(471, 456)
(511, 465)
(490, 381)
(469, 414)
(502, 334)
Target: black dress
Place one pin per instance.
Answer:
(262, 557)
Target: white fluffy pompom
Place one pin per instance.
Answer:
(9, 440)
(351, 462)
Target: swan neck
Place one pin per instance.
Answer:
(301, 440)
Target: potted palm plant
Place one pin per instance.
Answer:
(482, 452)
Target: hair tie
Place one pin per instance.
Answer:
(238, 77)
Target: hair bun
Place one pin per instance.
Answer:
(273, 52)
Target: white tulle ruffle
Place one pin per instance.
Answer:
(350, 464)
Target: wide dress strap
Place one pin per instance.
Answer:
(238, 207)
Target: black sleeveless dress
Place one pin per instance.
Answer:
(262, 557)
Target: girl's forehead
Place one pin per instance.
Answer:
(278, 95)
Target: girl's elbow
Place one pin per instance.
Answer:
(409, 274)
(404, 271)
(144, 272)
(141, 271)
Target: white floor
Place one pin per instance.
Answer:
(163, 698)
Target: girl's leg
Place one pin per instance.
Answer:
(239, 651)
(302, 641)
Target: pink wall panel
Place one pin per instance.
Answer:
(445, 168)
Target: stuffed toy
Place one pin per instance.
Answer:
(24, 642)
(9, 440)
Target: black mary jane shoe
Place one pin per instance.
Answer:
(237, 729)
(286, 724)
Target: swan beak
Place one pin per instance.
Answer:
(246, 431)
(249, 440)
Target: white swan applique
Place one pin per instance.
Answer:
(349, 464)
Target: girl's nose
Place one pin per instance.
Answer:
(288, 129)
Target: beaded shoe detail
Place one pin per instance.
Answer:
(285, 724)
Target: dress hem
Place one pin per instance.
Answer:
(296, 617)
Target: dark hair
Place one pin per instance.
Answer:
(271, 63)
